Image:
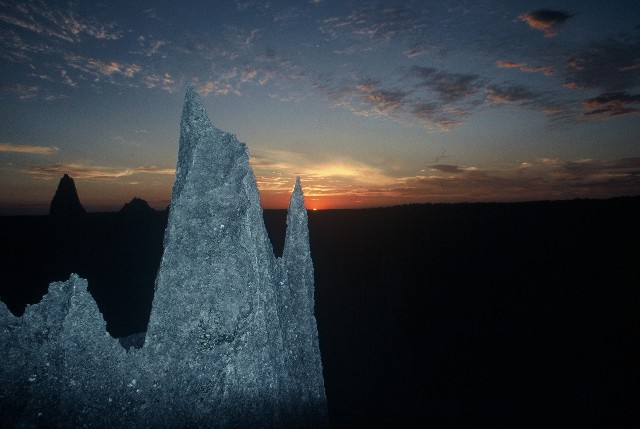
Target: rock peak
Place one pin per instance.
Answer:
(193, 106)
(297, 197)
(232, 339)
(65, 202)
(137, 206)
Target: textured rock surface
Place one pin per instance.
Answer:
(214, 311)
(297, 314)
(65, 202)
(60, 366)
(231, 341)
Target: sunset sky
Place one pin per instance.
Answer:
(370, 103)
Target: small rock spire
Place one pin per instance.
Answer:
(65, 202)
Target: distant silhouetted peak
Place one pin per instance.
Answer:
(65, 201)
(136, 206)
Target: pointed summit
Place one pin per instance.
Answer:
(232, 338)
(65, 202)
(214, 309)
(136, 207)
(296, 242)
(193, 107)
(297, 312)
(297, 197)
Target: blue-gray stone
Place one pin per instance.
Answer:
(232, 338)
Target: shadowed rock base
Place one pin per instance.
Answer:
(232, 338)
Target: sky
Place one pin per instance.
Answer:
(371, 103)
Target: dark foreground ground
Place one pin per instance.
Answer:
(463, 315)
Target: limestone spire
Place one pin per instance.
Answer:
(300, 329)
(296, 243)
(214, 325)
(232, 338)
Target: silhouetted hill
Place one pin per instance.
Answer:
(457, 315)
(136, 207)
(65, 202)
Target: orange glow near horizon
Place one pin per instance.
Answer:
(280, 200)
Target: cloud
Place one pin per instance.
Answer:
(64, 24)
(557, 109)
(206, 88)
(423, 95)
(39, 150)
(24, 92)
(164, 81)
(631, 67)
(381, 22)
(446, 168)
(356, 183)
(548, 71)
(17, 49)
(99, 68)
(621, 176)
(450, 87)
(607, 65)
(274, 170)
(612, 104)
(381, 101)
(416, 50)
(89, 171)
(509, 94)
(545, 20)
(150, 47)
(152, 169)
(546, 179)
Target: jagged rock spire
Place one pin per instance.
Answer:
(296, 243)
(297, 309)
(65, 202)
(214, 322)
(232, 339)
(194, 127)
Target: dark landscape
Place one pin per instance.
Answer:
(452, 315)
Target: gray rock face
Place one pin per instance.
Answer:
(65, 202)
(60, 366)
(232, 338)
(297, 313)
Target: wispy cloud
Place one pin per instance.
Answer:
(509, 94)
(99, 68)
(275, 168)
(150, 46)
(19, 148)
(446, 168)
(545, 20)
(24, 92)
(539, 179)
(90, 171)
(164, 81)
(64, 24)
(608, 65)
(416, 50)
(382, 22)
(423, 95)
(548, 71)
(450, 87)
(612, 104)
